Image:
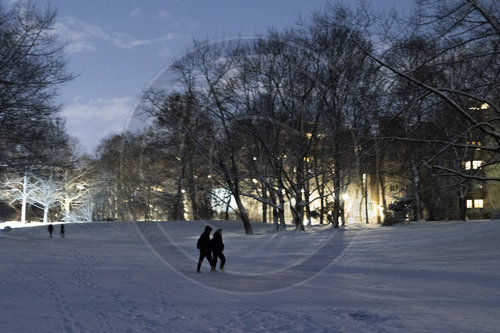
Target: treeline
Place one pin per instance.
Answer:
(32, 67)
(295, 118)
(300, 115)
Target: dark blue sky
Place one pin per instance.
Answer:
(118, 46)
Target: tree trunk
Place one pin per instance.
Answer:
(272, 196)
(24, 199)
(298, 213)
(243, 215)
(416, 190)
(336, 191)
(281, 206)
(179, 198)
(67, 207)
(342, 213)
(377, 180)
(321, 208)
(45, 214)
(226, 213)
(462, 204)
(192, 195)
(264, 205)
(298, 209)
(276, 218)
(382, 192)
(365, 183)
(307, 206)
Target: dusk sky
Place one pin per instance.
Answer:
(116, 47)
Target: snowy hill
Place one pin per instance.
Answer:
(128, 277)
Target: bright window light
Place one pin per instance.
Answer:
(476, 164)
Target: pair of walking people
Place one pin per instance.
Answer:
(51, 230)
(212, 249)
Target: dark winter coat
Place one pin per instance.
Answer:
(204, 241)
(51, 228)
(216, 243)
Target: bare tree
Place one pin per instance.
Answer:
(43, 193)
(32, 67)
(18, 190)
(73, 194)
(349, 96)
(206, 75)
(462, 72)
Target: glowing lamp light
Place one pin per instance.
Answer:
(381, 210)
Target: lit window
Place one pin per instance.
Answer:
(472, 165)
(483, 106)
(478, 203)
(469, 203)
(476, 164)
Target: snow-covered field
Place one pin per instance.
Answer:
(128, 277)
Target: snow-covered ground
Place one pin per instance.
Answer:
(128, 277)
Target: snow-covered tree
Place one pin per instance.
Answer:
(85, 210)
(18, 190)
(72, 194)
(43, 194)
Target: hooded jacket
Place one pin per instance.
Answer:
(216, 243)
(204, 241)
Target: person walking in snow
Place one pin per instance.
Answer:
(217, 247)
(51, 230)
(62, 230)
(203, 245)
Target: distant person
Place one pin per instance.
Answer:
(217, 247)
(51, 230)
(62, 230)
(203, 245)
